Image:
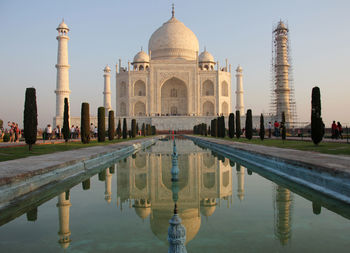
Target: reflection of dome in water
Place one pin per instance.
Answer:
(143, 212)
(208, 207)
(160, 222)
(183, 163)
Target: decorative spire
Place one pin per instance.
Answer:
(141, 48)
(175, 168)
(172, 11)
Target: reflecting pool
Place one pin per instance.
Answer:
(224, 206)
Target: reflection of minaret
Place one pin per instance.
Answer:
(240, 181)
(283, 215)
(108, 186)
(63, 215)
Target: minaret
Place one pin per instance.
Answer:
(107, 90)
(63, 215)
(283, 214)
(240, 181)
(62, 83)
(239, 91)
(175, 168)
(108, 186)
(281, 68)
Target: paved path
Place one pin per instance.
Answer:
(318, 161)
(295, 138)
(20, 169)
(38, 142)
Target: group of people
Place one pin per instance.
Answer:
(276, 126)
(14, 132)
(337, 130)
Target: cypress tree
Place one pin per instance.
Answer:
(209, 131)
(65, 130)
(30, 117)
(215, 128)
(148, 129)
(101, 124)
(223, 127)
(85, 123)
(317, 125)
(283, 126)
(111, 125)
(231, 125)
(218, 119)
(32, 215)
(143, 130)
(153, 129)
(119, 129)
(125, 129)
(249, 125)
(262, 127)
(137, 129)
(102, 175)
(133, 128)
(238, 124)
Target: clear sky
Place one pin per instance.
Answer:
(241, 31)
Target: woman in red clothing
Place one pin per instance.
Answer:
(334, 130)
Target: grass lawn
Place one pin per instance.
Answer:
(21, 152)
(324, 147)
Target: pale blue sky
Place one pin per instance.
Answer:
(104, 31)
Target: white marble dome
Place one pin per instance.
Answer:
(173, 40)
(205, 56)
(62, 25)
(141, 56)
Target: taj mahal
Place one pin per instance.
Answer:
(172, 86)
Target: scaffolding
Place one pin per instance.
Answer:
(293, 118)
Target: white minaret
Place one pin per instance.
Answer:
(62, 83)
(281, 72)
(107, 90)
(239, 91)
(63, 215)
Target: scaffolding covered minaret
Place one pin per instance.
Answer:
(283, 92)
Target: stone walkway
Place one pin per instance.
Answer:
(318, 161)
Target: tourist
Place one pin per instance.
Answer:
(58, 132)
(72, 132)
(276, 126)
(92, 128)
(77, 132)
(270, 129)
(49, 132)
(11, 131)
(95, 132)
(340, 130)
(334, 130)
(16, 130)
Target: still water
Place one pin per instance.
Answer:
(224, 206)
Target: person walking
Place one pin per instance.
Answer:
(72, 132)
(276, 126)
(270, 129)
(334, 129)
(58, 132)
(340, 130)
(49, 132)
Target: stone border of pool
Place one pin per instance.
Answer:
(21, 176)
(328, 174)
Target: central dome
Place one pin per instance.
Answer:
(173, 40)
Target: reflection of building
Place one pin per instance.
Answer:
(240, 181)
(63, 215)
(283, 214)
(108, 186)
(146, 179)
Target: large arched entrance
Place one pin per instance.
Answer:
(174, 97)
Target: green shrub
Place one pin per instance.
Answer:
(317, 125)
(238, 124)
(85, 123)
(119, 129)
(231, 125)
(65, 129)
(101, 124)
(111, 125)
(30, 117)
(6, 138)
(125, 129)
(249, 125)
(133, 128)
(262, 127)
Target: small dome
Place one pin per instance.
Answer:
(63, 26)
(107, 69)
(173, 40)
(140, 57)
(239, 69)
(206, 57)
(207, 210)
(281, 26)
(143, 212)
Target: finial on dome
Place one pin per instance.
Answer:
(173, 11)
(141, 48)
(205, 49)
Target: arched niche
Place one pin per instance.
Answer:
(139, 88)
(224, 89)
(208, 88)
(139, 109)
(208, 108)
(224, 108)
(174, 97)
(122, 92)
(122, 109)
